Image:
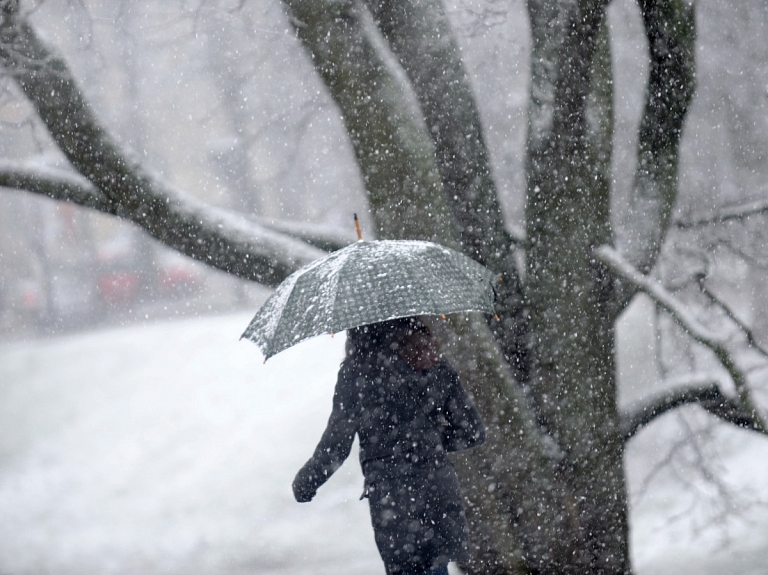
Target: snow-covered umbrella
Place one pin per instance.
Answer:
(369, 282)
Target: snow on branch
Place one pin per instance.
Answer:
(54, 183)
(328, 238)
(68, 186)
(701, 389)
(721, 215)
(716, 342)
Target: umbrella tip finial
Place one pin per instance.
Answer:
(357, 229)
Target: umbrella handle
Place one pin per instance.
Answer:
(358, 230)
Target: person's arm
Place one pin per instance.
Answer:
(465, 427)
(334, 446)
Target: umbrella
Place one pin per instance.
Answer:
(369, 282)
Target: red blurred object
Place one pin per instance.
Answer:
(30, 298)
(178, 279)
(118, 287)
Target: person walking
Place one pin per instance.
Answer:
(406, 404)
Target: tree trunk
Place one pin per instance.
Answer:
(421, 37)
(514, 498)
(568, 291)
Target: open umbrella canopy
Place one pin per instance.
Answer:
(370, 282)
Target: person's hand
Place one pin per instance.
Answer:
(302, 489)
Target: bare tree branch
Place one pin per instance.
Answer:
(749, 334)
(701, 389)
(685, 319)
(324, 237)
(741, 254)
(722, 215)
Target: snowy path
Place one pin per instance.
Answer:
(170, 448)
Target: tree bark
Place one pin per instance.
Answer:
(395, 156)
(671, 33)
(568, 291)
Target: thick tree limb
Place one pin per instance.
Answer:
(701, 389)
(395, 155)
(421, 37)
(54, 183)
(670, 29)
(685, 319)
(67, 186)
(129, 191)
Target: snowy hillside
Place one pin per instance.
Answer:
(171, 448)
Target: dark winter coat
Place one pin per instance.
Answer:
(406, 420)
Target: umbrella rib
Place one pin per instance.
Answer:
(332, 322)
(339, 260)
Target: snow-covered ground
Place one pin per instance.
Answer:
(170, 448)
